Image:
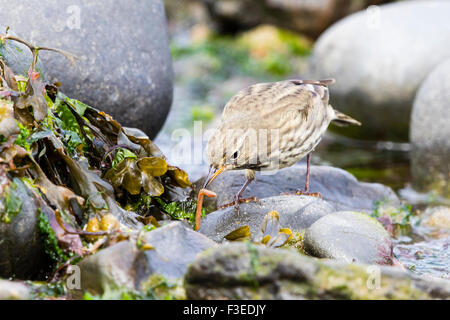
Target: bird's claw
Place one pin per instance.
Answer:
(303, 193)
(307, 193)
(237, 202)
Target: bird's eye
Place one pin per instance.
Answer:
(235, 155)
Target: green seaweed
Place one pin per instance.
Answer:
(67, 121)
(51, 246)
(399, 218)
(21, 139)
(122, 154)
(181, 210)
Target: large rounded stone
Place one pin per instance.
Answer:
(338, 187)
(351, 237)
(124, 265)
(379, 58)
(295, 212)
(247, 271)
(125, 66)
(22, 252)
(430, 132)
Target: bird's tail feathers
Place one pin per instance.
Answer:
(344, 120)
(324, 82)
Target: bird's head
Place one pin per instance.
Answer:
(231, 148)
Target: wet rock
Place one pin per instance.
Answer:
(247, 271)
(307, 17)
(12, 290)
(350, 237)
(295, 212)
(124, 265)
(125, 66)
(20, 242)
(338, 187)
(379, 58)
(429, 133)
(176, 246)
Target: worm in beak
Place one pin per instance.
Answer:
(204, 192)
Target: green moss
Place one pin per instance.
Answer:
(254, 261)
(12, 203)
(351, 283)
(157, 287)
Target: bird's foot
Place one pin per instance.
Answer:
(237, 202)
(303, 193)
(307, 193)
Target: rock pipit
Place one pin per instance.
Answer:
(269, 126)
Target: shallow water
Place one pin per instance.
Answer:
(426, 257)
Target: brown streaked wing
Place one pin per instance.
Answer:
(263, 99)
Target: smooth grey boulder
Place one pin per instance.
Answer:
(295, 212)
(13, 290)
(248, 271)
(338, 187)
(125, 265)
(379, 58)
(22, 252)
(430, 132)
(176, 246)
(125, 66)
(350, 237)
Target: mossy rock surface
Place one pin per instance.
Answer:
(248, 271)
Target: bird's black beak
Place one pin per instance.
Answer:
(213, 173)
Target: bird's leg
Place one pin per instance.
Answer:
(308, 160)
(237, 197)
(250, 176)
(306, 191)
